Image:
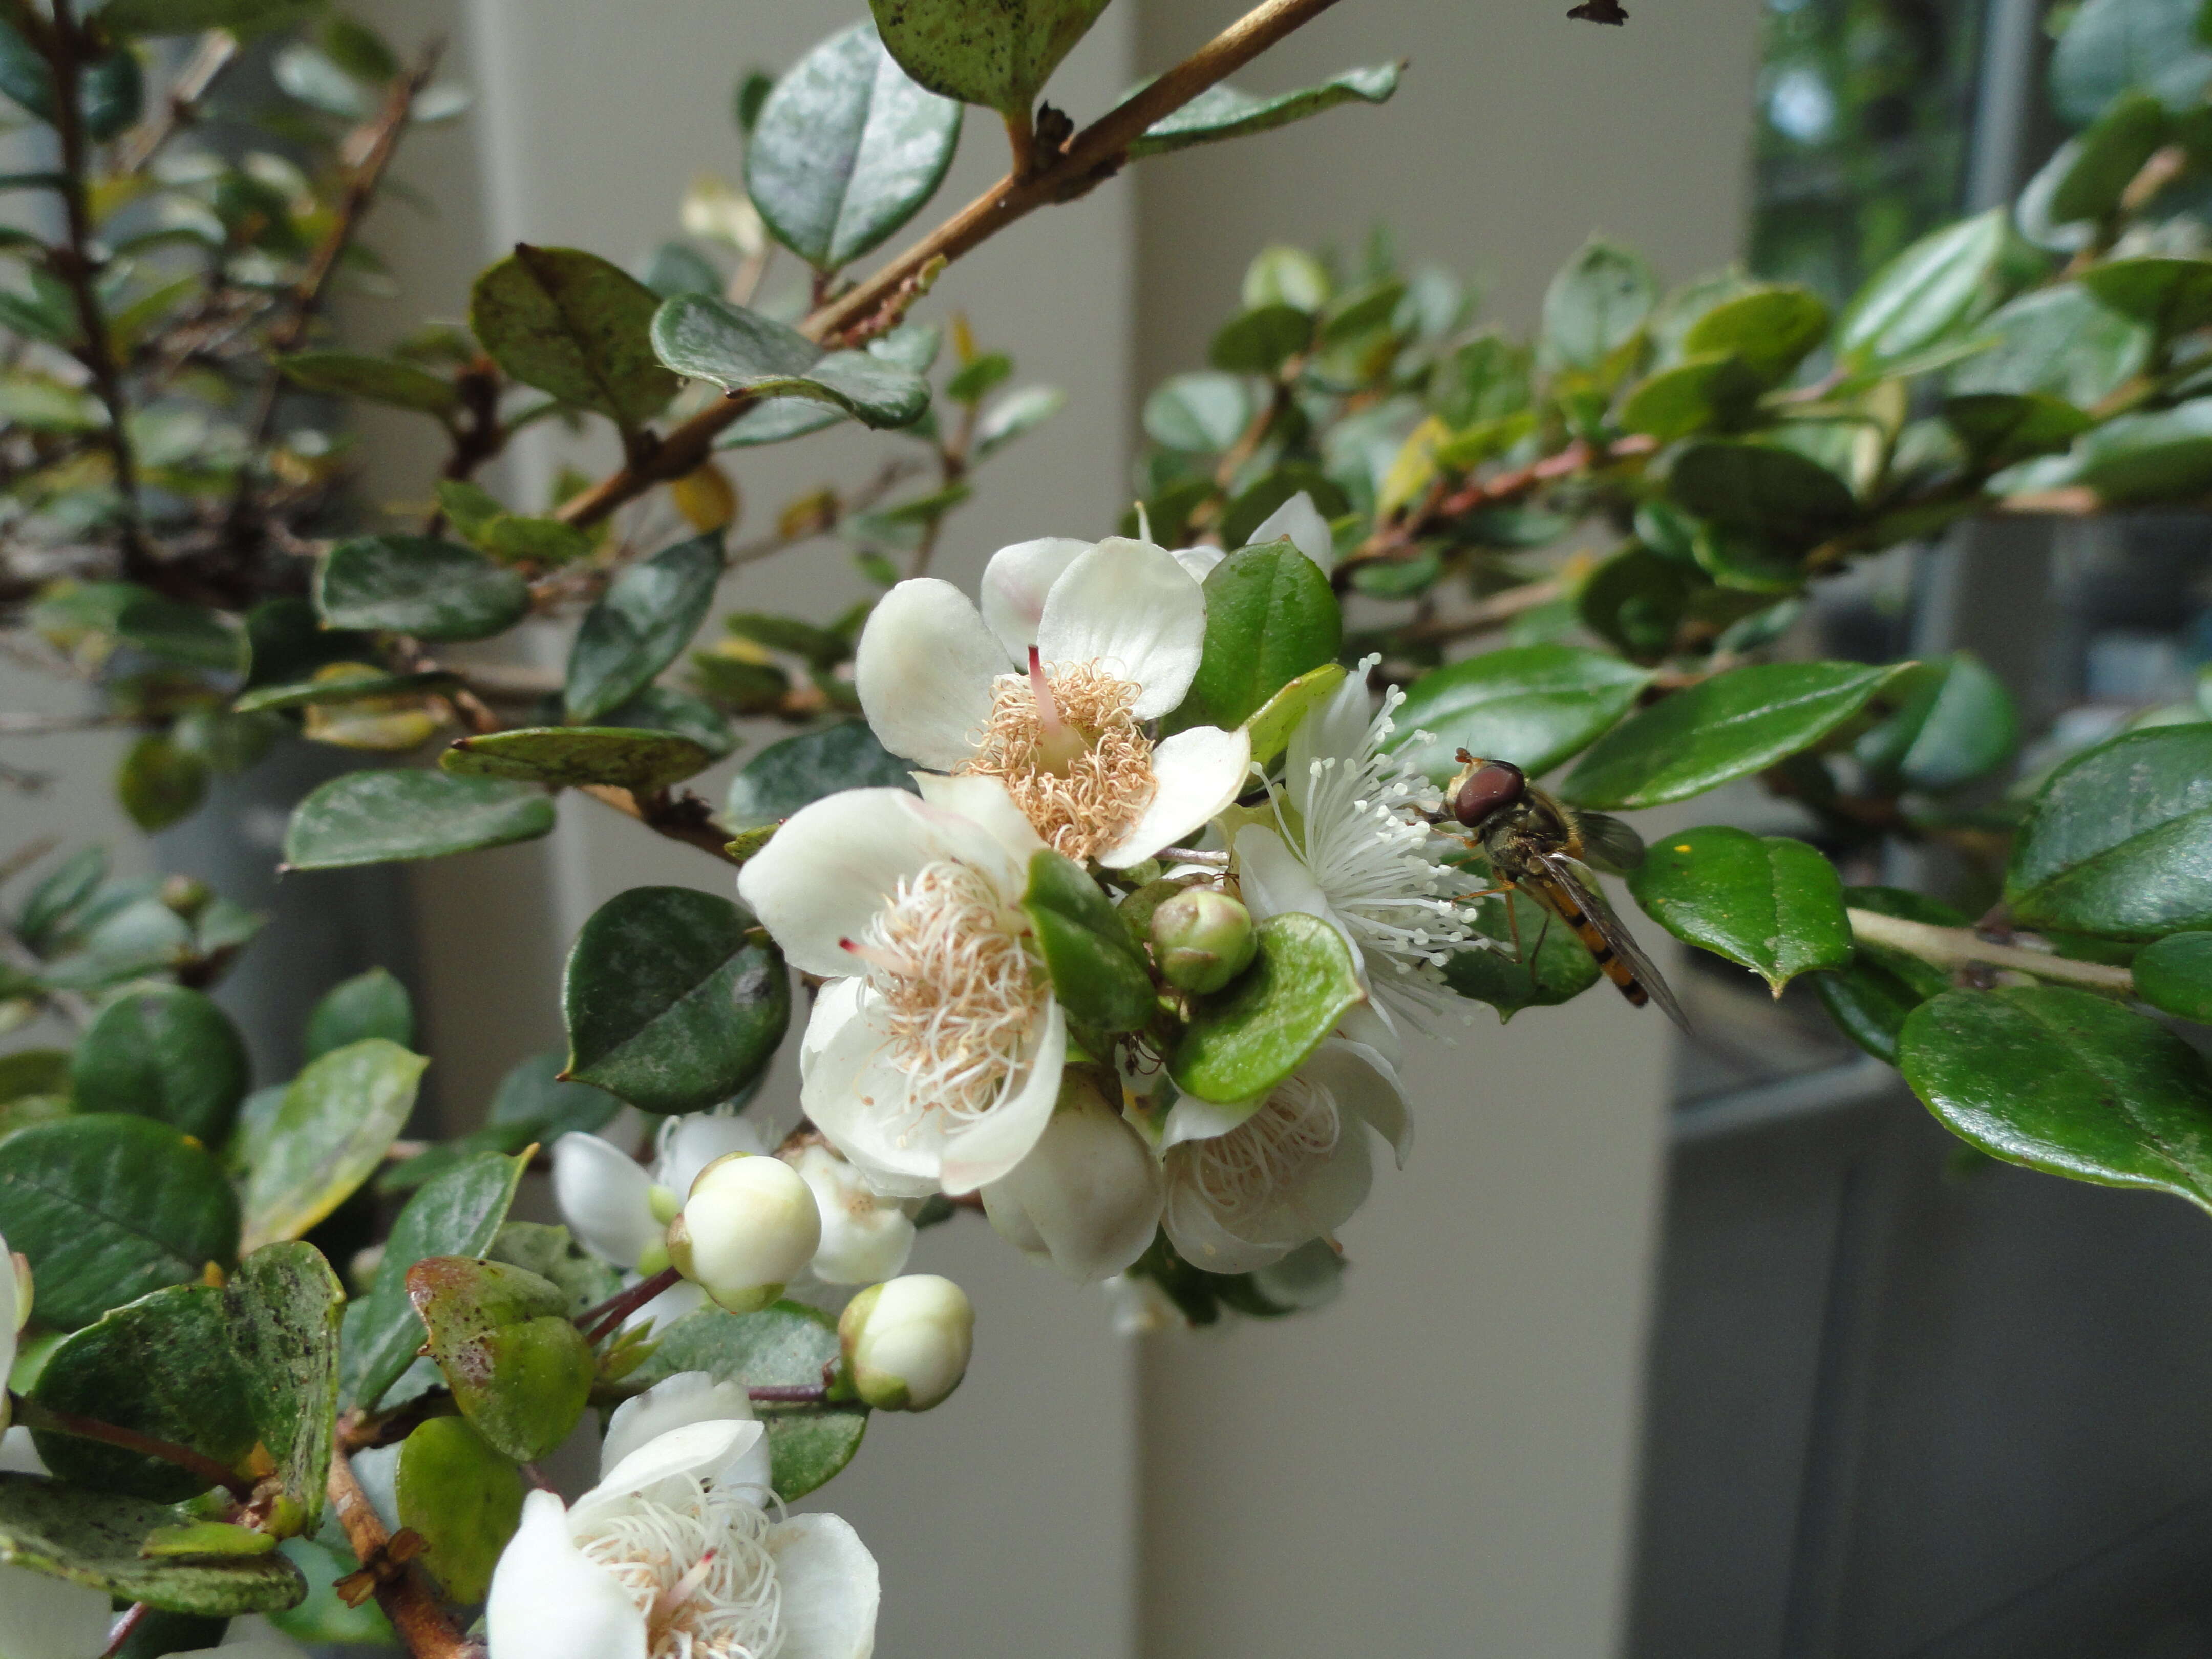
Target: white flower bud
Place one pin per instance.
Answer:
(1202, 940)
(866, 1237)
(749, 1226)
(14, 1314)
(1089, 1194)
(906, 1342)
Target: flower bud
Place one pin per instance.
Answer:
(907, 1341)
(14, 1314)
(1089, 1194)
(748, 1227)
(1202, 940)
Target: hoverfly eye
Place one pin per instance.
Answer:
(1492, 785)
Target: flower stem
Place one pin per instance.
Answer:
(133, 1616)
(33, 1415)
(790, 1393)
(599, 1322)
(400, 1591)
(1961, 947)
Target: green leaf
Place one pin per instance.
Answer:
(282, 1308)
(94, 1538)
(519, 1368)
(1255, 504)
(572, 324)
(167, 1052)
(433, 590)
(781, 1345)
(1716, 390)
(370, 1004)
(2089, 175)
(1540, 962)
(337, 1118)
(1768, 903)
(1770, 329)
(1727, 728)
(2175, 974)
(1097, 972)
(674, 999)
(1924, 293)
(108, 1207)
(2164, 455)
(559, 756)
(553, 1254)
(460, 1214)
(1243, 1041)
(1999, 429)
(159, 783)
(2113, 46)
(1637, 601)
(2168, 296)
(1270, 616)
(191, 16)
(709, 338)
(1957, 723)
(360, 688)
(29, 1072)
(1222, 112)
(2068, 1083)
(1768, 491)
(997, 56)
(800, 771)
(1534, 705)
(657, 709)
(180, 633)
(1014, 416)
(1202, 414)
(532, 1093)
(1271, 725)
(847, 149)
(371, 818)
(2119, 841)
(2060, 342)
(779, 420)
(513, 538)
(1260, 341)
(1596, 304)
(379, 380)
(640, 624)
(462, 1498)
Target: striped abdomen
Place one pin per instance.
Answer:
(1555, 896)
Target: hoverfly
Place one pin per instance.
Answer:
(1544, 847)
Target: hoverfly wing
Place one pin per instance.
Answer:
(1583, 889)
(1608, 844)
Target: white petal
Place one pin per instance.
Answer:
(1015, 583)
(1002, 1137)
(1325, 1201)
(831, 1588)
(698, 1139)
(1301, 520)
(1199, 561)
(1274, 881)
(701, 1451)
(1088, 1195)
(1131, 608)
(1364, 1082)
(924, 670)
(685, 1398)
(858, 1099)
(1200, 1239)
(835, 1003)
(835, 865)
(603, 1196)
(549, 1601)
(19, 1455)
(1192, 1119)
(1337, 730)
(865, 1239)
(985, 802)
(1197, 773)
(1368, 1024)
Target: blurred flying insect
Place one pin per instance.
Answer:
(1546, 849)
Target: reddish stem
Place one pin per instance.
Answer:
(599, 1322)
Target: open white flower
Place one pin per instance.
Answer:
(1087, 1197)
(42, 1617)
(1297, 518)
(1246, 1186)
(866, 1237)
(14, 1314)
(671, 1556)
(1102, 638)
(1350, 847)
(933, 1057)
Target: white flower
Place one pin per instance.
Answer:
(14, 1314)
(933, 1057)
(1246, 1186)
(671, 1556)
(907, 1342)
(1297, 518)
(42, 1617)
(1352, 848)
(1140, 1307)
(1087, 1198)
(1103, 639)
(866, 1237)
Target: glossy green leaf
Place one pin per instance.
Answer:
(2068, 1083)
(1270, 616)
(657, 709)
(706, 338)
(799, 771)
(108, 1207)
(159, 783)
(1730, 726)
(2175, 974)
(1259, 342)
(998, 55)
(779, 420)
(1999, 429)
(1097, 973)
(1714, 391)
(1222, 112)
(847, 149)
(167, 1052)
(1254, 504)
(337, 1118)
(1636, 600)
(573, 324)
(640, 625)
(2168, 296)
(378, 379)
(95, 1539)
(1957, 723)
(1596, 304)
(516, 539)
(674, 999)
(2060, 342)
(370, 1004)
(1270, 726)
(2119, 841)
(1202, 414)
(554, 1255)
(2103, 161)
(519, 1368)
(1772, 492)
(532, 1093)
(781, 1345)
(463, 1498)
(1020, 412)
(375, 816)
(1534, 705)
(1243, 1041)
(433, 590)
(282, 1308)
(2113, 46)
(1769, 903)
(324, 1617)
(1538, 962)
(561, 756)
(1770, 329)
(2164, 455)
(360, 688)
(460, 1214)
(1934, 287)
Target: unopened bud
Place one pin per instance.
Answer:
(1087, 1197)
(186, 896)
(748, 1227)
(1202, 940)
(907, 1341)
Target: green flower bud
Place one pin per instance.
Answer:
(748, 1224)
(1202, 940)
(907, 1341)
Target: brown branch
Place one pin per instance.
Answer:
(400, 1588)
(600, 1323)
(210, 59)
(1495, 612)
(1088, 159)
(34, 1414)
(1961, 947)
(125, 1628)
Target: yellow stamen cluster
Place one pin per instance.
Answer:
(1086, 802)
(1243, 1172)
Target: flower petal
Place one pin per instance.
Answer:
(1088, 1196)
(864, 1240)
(985, 802)
(689, 1144)
(1192, 1119)
(1197, 772)
(1337, 730)
(1002, 1137)
(1200, 1238)
(1368, 1024)
(1301, 520)
(701, 1450)
(1199, 561)
(1015, 583)
(1274, 881)
(549, 1601)
(604, 1197)
(858, 1099)
(1363, 1081)
(685, 1398)
(924, 670)
(835, 864)
(831, 1589)
(1130, 607)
